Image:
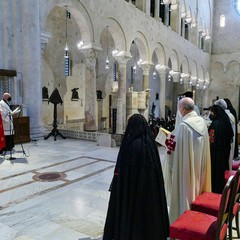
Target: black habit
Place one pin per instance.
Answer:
(137, 207)
(220, 136)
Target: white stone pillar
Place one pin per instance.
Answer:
(183, 27)
(45, 36)
(146, 70)
(162, 70)
(156, 10)
(166, 15)
(176, 78)
(175, 18)
(7, 34)
(90, 89)
(30, 62)
(121, 103)
(193, 34)
(145, 86)
(143, 5)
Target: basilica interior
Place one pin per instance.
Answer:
(119, 58)
(105, 60)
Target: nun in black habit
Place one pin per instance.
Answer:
(234, 113)
(137, 207)
(220, 136)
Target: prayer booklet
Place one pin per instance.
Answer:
(162, 136)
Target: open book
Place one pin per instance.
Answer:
(162, 136)
(17, 110)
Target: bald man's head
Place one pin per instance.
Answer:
(6, 97)
(186, 105)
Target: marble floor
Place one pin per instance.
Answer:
(72, 208)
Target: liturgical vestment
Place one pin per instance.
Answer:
(189, 164)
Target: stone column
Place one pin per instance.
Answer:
(176, 78)
(166, 14)
(45, 36)
(121, 103)
(162, 70)
(30, 60)
(90, 89)
(183, 27)
(145, 86)
(156, 10)
(146, 69)
(175, 19)
(143, 5)
(7, 34)
(193, 34)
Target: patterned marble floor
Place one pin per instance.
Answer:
(69, 209)
(73, 208)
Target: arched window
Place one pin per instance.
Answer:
(236, 5)
(222, 21)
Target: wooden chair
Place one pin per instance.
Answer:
(235, 164)
(209, 202)
(235, 203)
(194, 225)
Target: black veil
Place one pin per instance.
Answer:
(221, 135)
(137, 207)
(234, 113)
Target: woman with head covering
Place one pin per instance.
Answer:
(137, 207)
(220, 136)
(234, 113)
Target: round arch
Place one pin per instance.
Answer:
(143, 47)
(161, 54)
(80, 14)
(117, 34)
(174, 60)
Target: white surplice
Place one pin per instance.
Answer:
(7, 118)
(187, 169)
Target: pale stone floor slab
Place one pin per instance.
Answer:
(72, 208)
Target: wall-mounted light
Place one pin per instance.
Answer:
(181, 79)
(66, 55)
(80, 44)
(154, 74)
(107, 60)
(169, 77)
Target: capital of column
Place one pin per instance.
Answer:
(122, 57)
(185, 78)
(90, 54)
(166, 2)
(45, 36)
(193, 81)
(174, 6)
(175, 76)
(162, 69)
(146, 68)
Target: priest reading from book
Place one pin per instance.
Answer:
(7, 121)
(187, 164)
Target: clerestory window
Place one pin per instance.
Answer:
(236, 5)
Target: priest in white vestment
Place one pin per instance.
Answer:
(7, 120)
(188, 170)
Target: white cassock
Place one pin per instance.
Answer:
(187, 167)
(233, 122)
(7, 118)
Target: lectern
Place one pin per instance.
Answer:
(55, 99)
